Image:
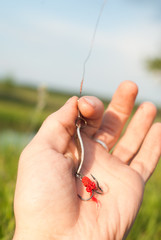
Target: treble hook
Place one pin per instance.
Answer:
(92, 191)
(91, 186)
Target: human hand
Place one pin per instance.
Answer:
(46, 203)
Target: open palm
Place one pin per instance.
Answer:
(46, 201)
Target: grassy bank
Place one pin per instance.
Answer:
(24, 108)
(8, 169)
(148, 221)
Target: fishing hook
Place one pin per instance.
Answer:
(93, 187)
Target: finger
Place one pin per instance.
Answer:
(117, 113)
(92, 110)
(148, 156)
(131, 141)
(59, 127)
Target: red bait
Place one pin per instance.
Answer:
(92, 187)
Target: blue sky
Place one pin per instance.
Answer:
(47, 41)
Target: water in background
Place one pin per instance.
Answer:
(14, 138)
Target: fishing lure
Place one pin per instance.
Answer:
(92, 187)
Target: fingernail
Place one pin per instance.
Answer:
(89, 101)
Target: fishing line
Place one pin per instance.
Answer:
(92, 44)
(92, 187)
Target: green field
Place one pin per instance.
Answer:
(22, 110)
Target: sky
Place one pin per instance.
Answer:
(45, 42)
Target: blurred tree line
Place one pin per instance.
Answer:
(154, 64)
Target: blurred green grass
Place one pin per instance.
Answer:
(22, 110)
(148, 222)
(20, 106)
(8, 168)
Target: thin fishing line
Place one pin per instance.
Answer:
(92, 44)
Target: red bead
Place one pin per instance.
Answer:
(93, 185)
(86, 181)
(88, 189)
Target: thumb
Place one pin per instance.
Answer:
(59, 127)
